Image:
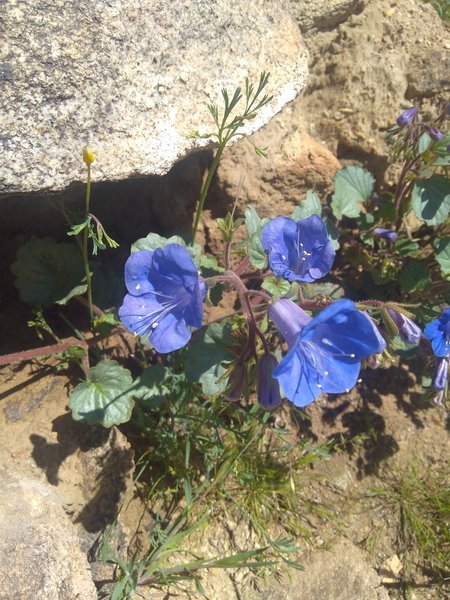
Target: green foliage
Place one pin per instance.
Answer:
(153, 241)
(95, 232)
(254, 225)
(106, 397)
(353, 185)
(276, 286)
(430, 199)
(414, 277)
(442, 249)
(309, 206)
(418, 501)
(48, 272)
(207, 356)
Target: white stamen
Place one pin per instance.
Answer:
(155, 325)
(360, 380)
(352, 355)
(138, 286)
(347, 390)
(327, 342)
(283, 257)
(318, 385)
(326, 373)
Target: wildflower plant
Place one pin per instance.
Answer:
(320, 294)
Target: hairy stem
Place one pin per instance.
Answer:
(85, 248)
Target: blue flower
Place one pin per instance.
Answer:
(407, 329)
(165, 296)
(385, 234)
(324, 352)
(298, 251)
(438, 332)
(406, 116)
(268, 388)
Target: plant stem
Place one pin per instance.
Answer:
(85, 247)
(205, 187)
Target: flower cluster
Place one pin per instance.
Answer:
(324, 352)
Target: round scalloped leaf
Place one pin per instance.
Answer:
(106, 397)
(352, 185)
(442, 254)
(430, 199)
(154, 241)
(48, 272)
(309, 206)
(205, 355)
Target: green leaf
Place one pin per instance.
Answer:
(276, 286)
(430, 199)
(424, 142)
(307, 207)
(152, 387)
(414, 277)
(352, 186)
(442, 254)
(105, 397)
(256, 252)
(328, 289)
(252, 220)
(154, 241)
(48, 272)
(333, 233)
(206, 352)
(406, 247)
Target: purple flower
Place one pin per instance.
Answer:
(298, 251)
(165, 296)
(435, 134)
(406, 116)
(438, 332)
(325, 352)
(385, 234)
(407, 329)
(268, 388)
(440, 375)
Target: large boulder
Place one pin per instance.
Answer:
(131, 79)
(40, 555)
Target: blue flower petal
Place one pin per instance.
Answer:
(438, 332)
(297, 379)
(137, 269)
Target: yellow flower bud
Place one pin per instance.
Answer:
(88, 156)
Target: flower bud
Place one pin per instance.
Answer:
(88, 156)
(236, 383)
(385, 234)
(407, 329)
(268, 388)
(406, 116)
(435, 134)
(441, 374)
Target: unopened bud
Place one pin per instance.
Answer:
(385, 234)
(236, 383)
(407, 329)
(88, 156)
(268, 388)
(406, 116)
(441, 374)
(435, 134)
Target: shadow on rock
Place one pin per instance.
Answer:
(92, 467)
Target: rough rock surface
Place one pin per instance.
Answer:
(343, 573)
(391, 53)
(40, 556)
(324, 14)
(131, 79)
